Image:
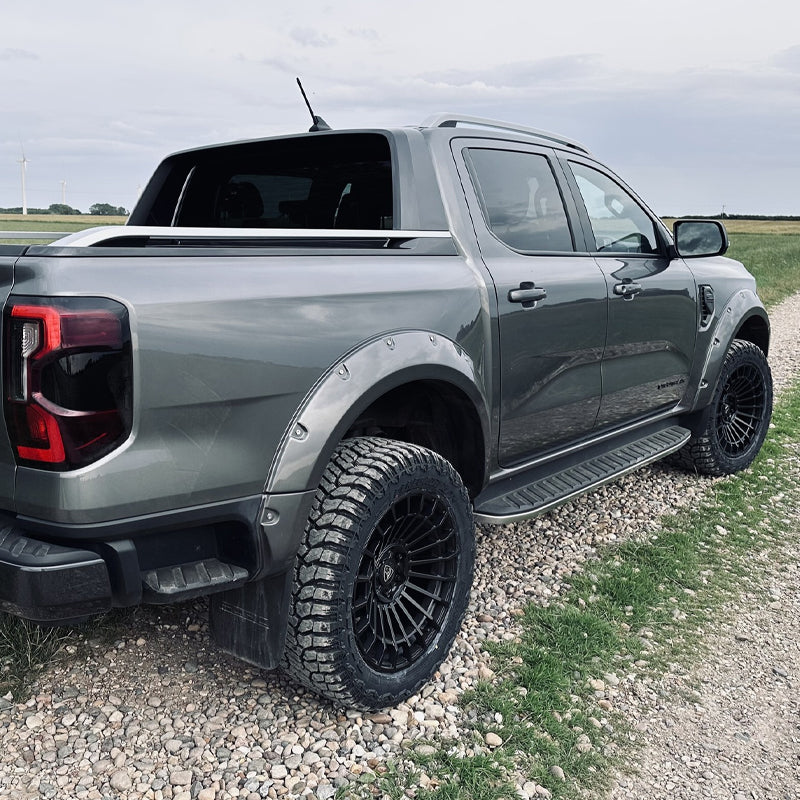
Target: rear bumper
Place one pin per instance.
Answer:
(47, 582)
(60, 573)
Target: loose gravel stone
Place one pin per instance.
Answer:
(121, 781)
(180, 778)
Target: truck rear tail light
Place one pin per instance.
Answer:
(68, 380)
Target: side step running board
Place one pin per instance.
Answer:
(555, 482)
(184, 581)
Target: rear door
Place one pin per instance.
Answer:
(652, 308)
(8, 256)
(551, 298)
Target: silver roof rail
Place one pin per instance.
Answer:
(448, 120)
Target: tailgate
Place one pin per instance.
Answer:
(8, 255)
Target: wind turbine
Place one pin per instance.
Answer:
(24, 163)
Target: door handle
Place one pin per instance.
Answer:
(627, 290)
(527, 294)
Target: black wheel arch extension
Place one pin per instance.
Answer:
(755, 329)
(413, 386)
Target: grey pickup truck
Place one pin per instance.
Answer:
(309, 364)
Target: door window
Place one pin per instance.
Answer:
(520, 199)
(619, 223)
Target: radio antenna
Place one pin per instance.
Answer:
(319, 123)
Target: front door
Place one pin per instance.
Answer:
(652, 311)
(551, 299)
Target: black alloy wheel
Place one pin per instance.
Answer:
(741, 409)
(405, 582)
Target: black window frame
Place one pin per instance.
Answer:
(663, 237)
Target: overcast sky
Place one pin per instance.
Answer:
(696, 103)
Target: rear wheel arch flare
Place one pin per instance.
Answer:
(386, 366)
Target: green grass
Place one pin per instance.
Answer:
(26, 649)
(773, 259)
(55, 223)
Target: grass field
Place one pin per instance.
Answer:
(774, 260)
(54, 222)
(755, 225)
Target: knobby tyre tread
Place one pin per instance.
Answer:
(354, 512)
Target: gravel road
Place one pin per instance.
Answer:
(162, 713)
(730, 728)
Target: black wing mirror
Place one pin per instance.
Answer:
(700, 237)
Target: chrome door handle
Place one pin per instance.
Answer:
(527, 293)
(627, 289)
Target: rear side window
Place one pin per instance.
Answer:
(520, 198)
(306, 182)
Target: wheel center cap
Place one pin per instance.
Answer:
(728, 409)
(390, 574)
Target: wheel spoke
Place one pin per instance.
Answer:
(421, 562)
(415, 588)
(419, 608)
(433, 576)
(414, 624)
(404, 638)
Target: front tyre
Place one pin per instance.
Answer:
(734, 425)
(383, 574)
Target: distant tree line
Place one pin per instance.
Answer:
(769, 217)
(96, 210)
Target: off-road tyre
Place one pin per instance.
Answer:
(733, 426)
(383, 574)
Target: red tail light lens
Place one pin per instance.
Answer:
(68, 383)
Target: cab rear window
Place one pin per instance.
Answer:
(324, 181)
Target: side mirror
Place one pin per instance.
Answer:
(700, 237)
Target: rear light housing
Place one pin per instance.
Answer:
(67, 373)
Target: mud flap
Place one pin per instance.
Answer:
(250, 622)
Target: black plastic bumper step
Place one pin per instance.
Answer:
(555, 482)
(183, 581)
(49, 582)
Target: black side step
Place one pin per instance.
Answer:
(184, 581)
(555, 482)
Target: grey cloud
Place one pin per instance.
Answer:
(310, 37)
(16, 54)
(521, 73)
(279, 64)
(368, 34)
(788, 59)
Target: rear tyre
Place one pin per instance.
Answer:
(734, 425)
(383, 575)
